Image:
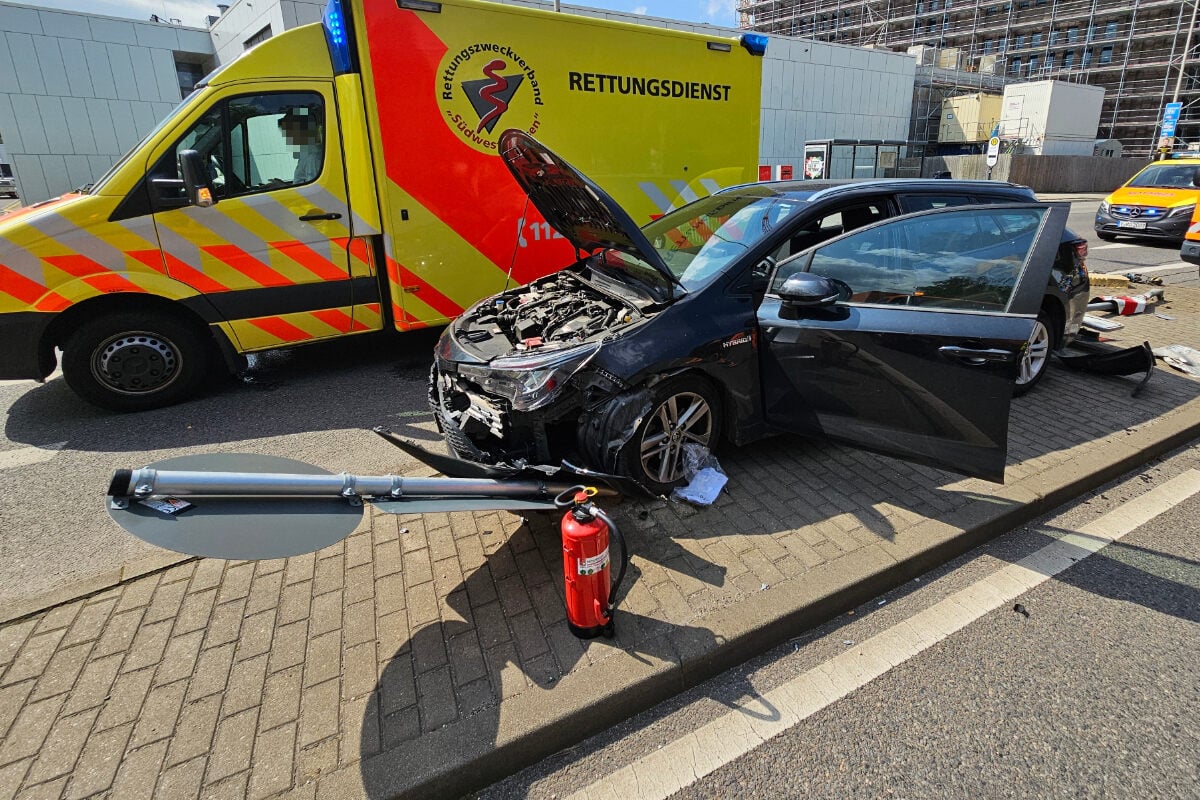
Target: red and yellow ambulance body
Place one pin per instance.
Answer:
(342, 178)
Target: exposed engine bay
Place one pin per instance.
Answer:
(559, 310)
(538, 342)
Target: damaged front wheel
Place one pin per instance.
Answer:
(684, 410)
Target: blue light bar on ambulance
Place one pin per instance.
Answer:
(755, 43)
(334, 22)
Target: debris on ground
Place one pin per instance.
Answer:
(705, 477)
(1181, 357)
(1137, 277)
(1100, 324)
(1020, 609)
(1128, 361)
(1126, 305)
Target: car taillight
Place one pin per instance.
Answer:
(1081, 249)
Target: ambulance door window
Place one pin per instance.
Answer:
(251, 144)
(277, 139)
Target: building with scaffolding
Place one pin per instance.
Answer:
(1137, 50)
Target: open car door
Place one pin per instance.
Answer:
(905, 337)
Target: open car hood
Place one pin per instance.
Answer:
(576, 207)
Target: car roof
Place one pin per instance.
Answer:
(812, 191)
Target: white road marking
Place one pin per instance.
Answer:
(1111, 245)
(29, 455)
(696, 754)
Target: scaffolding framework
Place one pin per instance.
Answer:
(1134, 49)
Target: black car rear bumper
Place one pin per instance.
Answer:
(1190, 252)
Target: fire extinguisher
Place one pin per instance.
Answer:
(591, 598)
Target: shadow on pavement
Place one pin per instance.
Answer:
(360, 382)
(439, 698)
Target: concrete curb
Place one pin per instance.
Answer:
(450, 763)
(87, 587)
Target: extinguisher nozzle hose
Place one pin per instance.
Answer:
(616, 534)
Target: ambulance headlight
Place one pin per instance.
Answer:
(530, 380)
(1182, 211)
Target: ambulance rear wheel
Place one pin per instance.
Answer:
(131, 361)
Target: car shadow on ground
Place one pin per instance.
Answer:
(441, 689)
(359, 382)
(788, 483)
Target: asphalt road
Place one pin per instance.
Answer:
(1127, 255)
(315, 404)
(1091, 692)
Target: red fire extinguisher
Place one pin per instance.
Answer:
(591, 598)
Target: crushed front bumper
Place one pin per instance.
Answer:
(483, 427)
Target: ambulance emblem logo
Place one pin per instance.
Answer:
(490, 97)
(486, 88)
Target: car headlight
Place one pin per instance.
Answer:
(1104, 206)
(1181, 210)
(530, 381)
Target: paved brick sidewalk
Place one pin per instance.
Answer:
(426, 640)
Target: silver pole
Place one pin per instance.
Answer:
(183, 483)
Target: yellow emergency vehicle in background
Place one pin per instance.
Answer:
(342, 178)
(1156, 203)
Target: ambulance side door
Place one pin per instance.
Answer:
(271, 252)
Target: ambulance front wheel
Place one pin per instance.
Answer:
(129, 361)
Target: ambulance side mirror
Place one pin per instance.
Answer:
(1196, 177)
(195, 179)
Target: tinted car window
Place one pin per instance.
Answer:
(969, 260)
(927, 202)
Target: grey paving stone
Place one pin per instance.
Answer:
(326, 613)
(63, 745)
(98, 764)
(194, 733)
(272, 769)
(232, 746)
(319, 712)
(159, 714)
(33, 657)
(281, 698)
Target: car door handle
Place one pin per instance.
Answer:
(977, 356)
(319, 215)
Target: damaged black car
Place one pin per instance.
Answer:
(742, 315)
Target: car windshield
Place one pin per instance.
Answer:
(699, 241)
(1173, 176)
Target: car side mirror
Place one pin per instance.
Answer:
(809, 290)
(1196, 177)
(195, 179)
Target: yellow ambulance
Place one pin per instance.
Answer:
(343, 178)
(1156, 203)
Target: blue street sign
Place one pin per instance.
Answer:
(1170, 118)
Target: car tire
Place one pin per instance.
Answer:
(1035, 358)
(137, 361)
(682, 409)
(1108, 237)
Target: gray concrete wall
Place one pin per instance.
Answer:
(78, 90)
(1042, 173)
